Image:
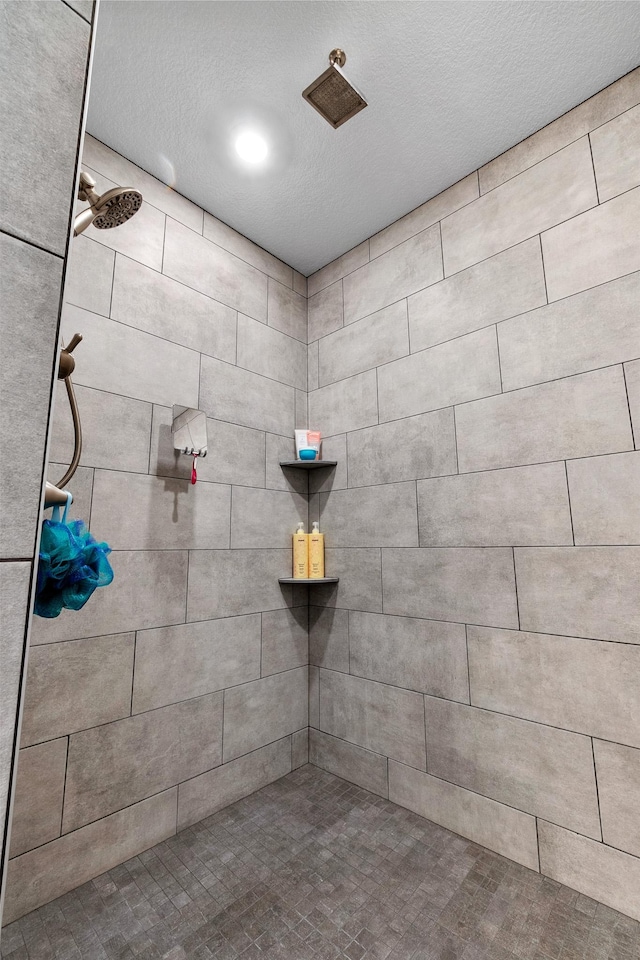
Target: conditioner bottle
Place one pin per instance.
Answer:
(316, 552)
(300, 553)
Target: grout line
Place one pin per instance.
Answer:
(466, 644)
(164, 243)
(499, 363)
(595, 776)
(426, 747)
(455, 441)
(515, 583)
(593, 167)
(64, 784)
(546, 291)
(566, 474)
(626, 390)
(32, 243)
(133, 671)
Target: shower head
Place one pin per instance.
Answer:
(114, 207)
(332, 95)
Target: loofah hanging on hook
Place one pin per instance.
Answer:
(72, 565)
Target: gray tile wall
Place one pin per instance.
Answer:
(486, 674)
(162, 700)
(44, 49)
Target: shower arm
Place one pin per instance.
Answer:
(55, 493)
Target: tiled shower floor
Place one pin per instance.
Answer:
(313, 867)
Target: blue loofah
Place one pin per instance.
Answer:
(72, 565)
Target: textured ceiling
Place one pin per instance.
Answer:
(450, 85)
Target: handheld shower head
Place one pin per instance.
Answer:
(114, 207)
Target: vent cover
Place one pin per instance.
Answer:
(332, 95)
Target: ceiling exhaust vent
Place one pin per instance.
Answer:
(332, 95)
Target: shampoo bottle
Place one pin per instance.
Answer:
(300, 553)
(316, 552)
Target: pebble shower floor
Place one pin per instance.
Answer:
(314, 868)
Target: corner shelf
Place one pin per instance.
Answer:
(308, 464)
(308, 582)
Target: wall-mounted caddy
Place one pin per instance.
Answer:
(308, 465)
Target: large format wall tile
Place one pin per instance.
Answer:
(409, 449)
(75, 685)
(192, 659)
(592, 113)
(44, 52)
(294, 481)
(314, 696)
(497, 288)
(519, 505)
(265, 518)
(570, 591)
(37, 806)
(360, 574)
(46, 873)
(266, 351)
(149, 589)
(287, 311)
(110, 360)
(618, 771)
(494, 825)
(299, 748)
(211, 270)
(89, 277)
(113, 766)
(326, 311)
(379, 717)
(452, 372)
(616, 154)
(584, 685)
(329, 638)
(598, 871)
(402, 271)
(598, 246)
(285, 640)
(382, 516)
(339, 268)
(605, 505)
(136, 512)
(234, 454)
(29, 297)
(581, 416)
(102, 158)
(225, 583)
(466, 584)
(345, 405)
(115, 430)
(461, 193)
(240, 246)
(346, 760)
(239, 396)
(423, 655)
(592, 329)
(377, 339)
(264, 710)
(147, 300)
(538, 769)
(211, 791)
(552, 191)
